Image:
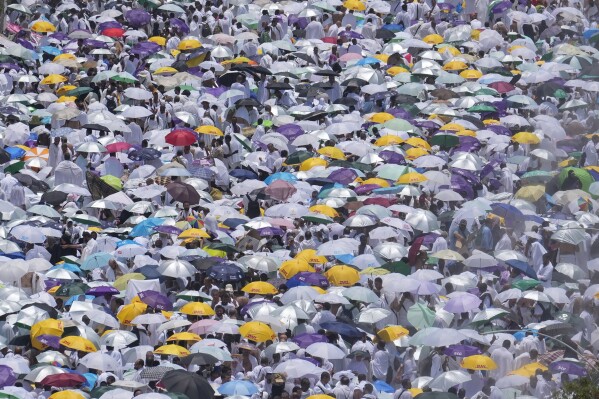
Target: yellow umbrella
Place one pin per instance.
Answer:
(332, 152)
(319, 290)
(165, 70)
(65, 56)
(415, 391)
(456, 127)
(53, 79)
(194, 233)
(211, 130)
(324, 210)
(449, 49)
(355, 5)
(66, 99)
(66, 395)
(37, 152)
(526, 138)
(412, 178)
(65, 89)
(374, 271)
(418, 142)
(478, 362)
(197, 309)
(396, 70)
(381, 117)
(189, 44)
(215, 252)
(184, 336)
(312, 163)
(131, 311)
(388, 140)
(45, 327)
(433, 39)
(43, 27)
(416, 152)
(291, 267)
(455, 66)
(171, 349)
(260, 288)
(238, 60)
(382, 57)
(53, 290)
(529, 370)
(78, 343)
(320, 397)
(491, 122)
(342, 275)
(310, 256)
(531, 193)
(466, 132)
(257, 331)
(376, 180)
(391, 333)
(159, 40)
(471, 74)
(121, 282)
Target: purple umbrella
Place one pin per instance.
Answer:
(392, 157)
(49, 340)
(290, 131)
(501, 7)
(301, 21)
(351, 34)
(109, 24)
(155, 300)
(138, 18)
(167, 229)
(500, 129)
(145, 49)
(25, 44)
(462, 303)
(466, 174)
(461, 186)
(426, 125)
(489, 168)
(462, 350)
(343, 176)
(216, 91)
(59, 36)
(7, 376)
(467, 144)
(270, 232)
(308, 278)
(305, 340)
(94, 43)
(564, 366)
(366, 188)
(179, 25)
(102, 290)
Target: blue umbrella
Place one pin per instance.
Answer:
(151, 272)
(510, 213)
(309, 279)
(382, 386)
(126, 242)
(82, 298)
(15, 152)
(146, 227)
(51, 50)
(225, 272)
(67, 266)
(280, 176)
(238, 387)
(96, 260)
(590, 33)
(342, 329)
(523, 267)
(368, 61)
(243, 174)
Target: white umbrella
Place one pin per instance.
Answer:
(39, 373)
(176, 268)
(28, 234)
(298, 368)
(118, 339)
(99, 361)
(325, 350)
(449, 379)
(479, 260)
(435, 336)
(136, 112)
(137, 93)
(373, 315)
(448, 195)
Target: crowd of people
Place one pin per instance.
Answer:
(298, 199)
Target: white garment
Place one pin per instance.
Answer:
(504, 360)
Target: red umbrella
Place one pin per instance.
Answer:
(65, 380)
(379, 201)
(119, 146)
(280, 190)
(502, 87)
(113, 32)
(329, 39)
(181, 137)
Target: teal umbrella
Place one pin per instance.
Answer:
(445, 140)
(420, 316)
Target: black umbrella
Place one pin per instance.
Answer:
(326, 72)
(384, 34)
(444, 94)
(253, 69)
(155, 373)
(98, 187)
(20, 340)
(304, 57)
(314, 116)
(95, 126)
(190, 384)
(45, 307)
(248, 102)
(145, 154)
(279, 86)
(199, 359)
(229, 78)
(287, 74)
(348, 101)
(4, 156)
(31, 182)
(53, 197)
(355, 82)
(395, 59)
(183, 192)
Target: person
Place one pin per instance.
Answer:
(322, 387)
(545, 272)
(381, 363)
(459, 237)
(589, 152)
(342, 390)
(504, 360)
(404, 391)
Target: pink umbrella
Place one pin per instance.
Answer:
(280, 190)
(203, 326)
(350, 56)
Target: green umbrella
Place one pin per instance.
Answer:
(481, 108)
(560, 94)
(87, 219)
(219, 246)
(585, 177)
(398, 267)
(487, 91)
(124, 77)
(537, 176)
(150, 3)
(524, 285)
(420, 316)
(113, 181)
(297, 157)
(80, 91)
(445, 140)
(14, 166)
(71, 289)
(317, 218)
(97, 392)
(399, 125)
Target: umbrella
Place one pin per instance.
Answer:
(190, 384)
(478, 362)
